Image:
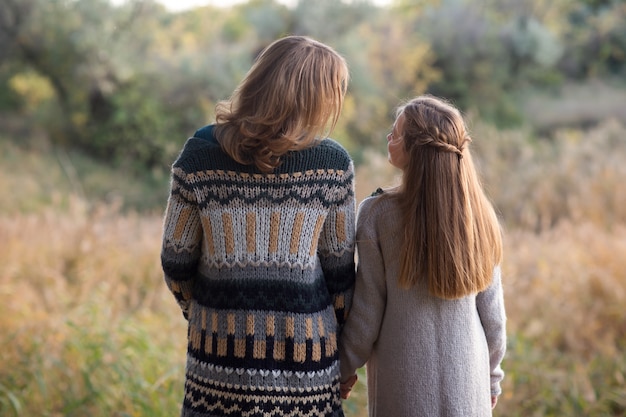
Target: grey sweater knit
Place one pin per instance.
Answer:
(425, 356)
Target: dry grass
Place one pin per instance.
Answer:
(565, 295)
(87, 326)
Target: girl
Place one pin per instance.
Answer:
(428, 314)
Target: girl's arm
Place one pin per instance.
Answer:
(490, 304)
(368, 306)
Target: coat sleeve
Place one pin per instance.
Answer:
(182, 235)
(336, 245)
(490, 304)
(363, 325)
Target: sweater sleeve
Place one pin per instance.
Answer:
(336, 246)
(182, 235)
(490, 304)
(363, 325)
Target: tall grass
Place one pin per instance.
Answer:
(87, 326)
(576, 176)
(565, 295)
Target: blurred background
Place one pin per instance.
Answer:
(98, 97)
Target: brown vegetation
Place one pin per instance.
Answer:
(88, 327)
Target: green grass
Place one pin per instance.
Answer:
(39, 175)
(93, 368)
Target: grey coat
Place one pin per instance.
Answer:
(425, 356)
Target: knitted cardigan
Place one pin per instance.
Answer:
(425, 356)
(262, 266)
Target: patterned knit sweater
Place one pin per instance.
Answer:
(262, 266)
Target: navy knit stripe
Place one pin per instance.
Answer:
(176, 271)
(278, 295)
(202, 155)
(206, 132)
(204, 147)
(342, 277)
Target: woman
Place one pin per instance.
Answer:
(428, 313)
(258, 243)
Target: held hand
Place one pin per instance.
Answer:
(346, 387)
(494, 400)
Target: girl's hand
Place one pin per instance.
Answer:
(346, 387)
(494, 400)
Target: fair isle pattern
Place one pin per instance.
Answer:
(246, 392)
(262, 339)
(262, 266)
(294, 203)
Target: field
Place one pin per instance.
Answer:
(87, 327)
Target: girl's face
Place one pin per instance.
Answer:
(396, 153)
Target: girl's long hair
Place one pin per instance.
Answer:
(452, 237)
(291, 95)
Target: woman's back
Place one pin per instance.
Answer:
(272, 272)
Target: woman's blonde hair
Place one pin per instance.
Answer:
(292, 94)
(452, 236)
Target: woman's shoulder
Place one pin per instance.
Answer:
(332, 145)
(326, 154)
(206, 134)
(202, 142)
(333, 151)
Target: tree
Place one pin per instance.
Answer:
(72, 46)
